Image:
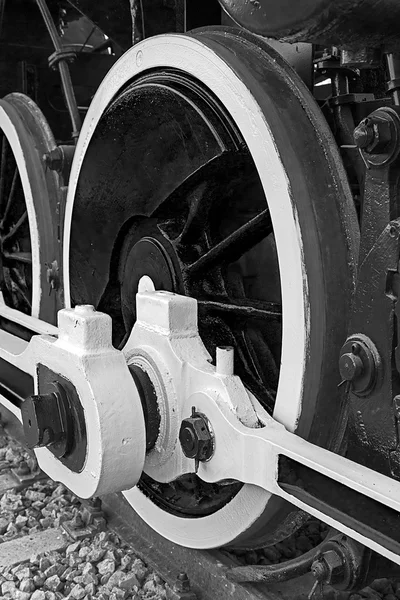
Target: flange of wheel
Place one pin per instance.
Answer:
(28, 205)
(265, 113)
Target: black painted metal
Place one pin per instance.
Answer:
(343, 22)
(195, 437)
(47, 420)
(113, 17)
(148, 398)
(69, 440)
(356, 511)
(15, 385)
(372, 425)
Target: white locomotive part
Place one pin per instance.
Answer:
(83, 354)
(166, 330)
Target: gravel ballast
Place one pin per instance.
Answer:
(101, 566)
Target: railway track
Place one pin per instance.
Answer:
(180, 573)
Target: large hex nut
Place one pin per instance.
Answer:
(195, 437)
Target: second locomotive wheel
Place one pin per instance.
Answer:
(203, 165)
(28, 201)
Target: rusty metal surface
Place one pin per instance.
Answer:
(343, 22)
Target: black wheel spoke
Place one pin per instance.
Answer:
(197, 193)
(21, 285)
(257, 385)
(3, 165)
(10, 197)
(243, 309)
(21, 257)
(236, 244)
(16, 227)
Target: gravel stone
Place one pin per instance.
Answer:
(106, 566)
(115, 579)
(90, 588)
(22, 572)
(104, 578)
(38, 595)
(50, 571)
(7, 587)
(118, 594)
(129, 582)
(72, 548)
(39, 580)
(77, 592)
(21, 521)
(54, 583)
(27, 585)
(44, 564)
(96, 554)
(22, 595)
(3, 525)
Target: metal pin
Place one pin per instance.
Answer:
(225, 360)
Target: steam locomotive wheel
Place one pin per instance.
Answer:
(205, 165)
(27, 193)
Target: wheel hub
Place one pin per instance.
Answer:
(149, 257)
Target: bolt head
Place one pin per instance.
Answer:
(195, 438)
(335, 567)
(182, 583)
(363, 135)
(350, 366)
(374, 134)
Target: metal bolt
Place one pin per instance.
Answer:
(329, 568)
(374, 134)
(54, 159)
(363, 134)
(350, 366)
(195, 437)
(23, 468)
(320, 569)
(60, 159)
(182, 583)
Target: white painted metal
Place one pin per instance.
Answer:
(83, 354)
(194, 58)
(32, 323)
(225, 357)
(8, 127)
(166, 329)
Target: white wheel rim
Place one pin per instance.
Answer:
(9, 130)
(191, 56)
